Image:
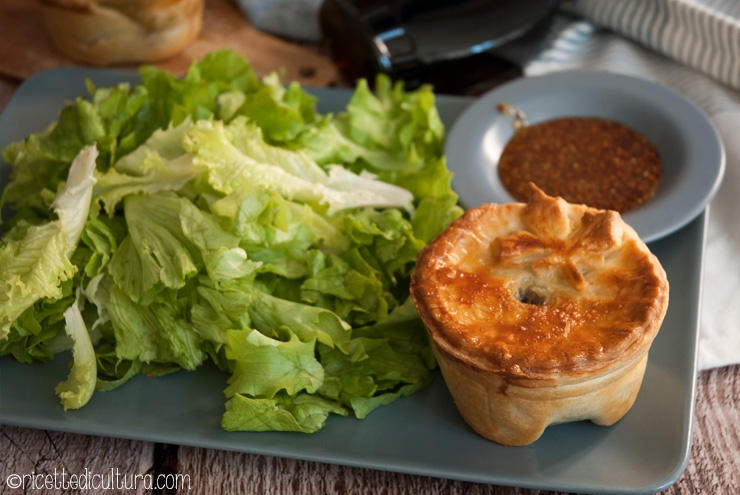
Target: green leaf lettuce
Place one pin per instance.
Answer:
(219, 217)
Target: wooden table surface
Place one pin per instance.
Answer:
(714, 466)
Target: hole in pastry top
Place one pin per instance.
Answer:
(532, 295)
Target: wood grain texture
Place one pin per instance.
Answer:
(39, 452)
(7, 88)
(714, 466)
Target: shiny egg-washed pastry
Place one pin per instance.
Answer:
(540, 313)
(109, 32)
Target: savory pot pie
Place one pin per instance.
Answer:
(111, 32)
(540, 313)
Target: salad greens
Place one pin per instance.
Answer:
(219, 217)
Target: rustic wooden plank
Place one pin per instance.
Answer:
(103, 461)
(7, 88)
(714, 466)
(213, 471)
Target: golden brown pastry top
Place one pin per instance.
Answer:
(110, 32)
(539, 289)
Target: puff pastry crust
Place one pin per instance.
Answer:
(540, 313)
(111, 32)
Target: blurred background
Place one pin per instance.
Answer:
(460, 46)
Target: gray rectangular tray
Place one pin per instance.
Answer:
(644, 453)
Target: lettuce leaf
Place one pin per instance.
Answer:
(79, 386)
(304, 413)
(263, 366)
(289, 173)
(34, 266)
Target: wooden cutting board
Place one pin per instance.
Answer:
(26, 48)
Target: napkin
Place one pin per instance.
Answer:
(693, 47)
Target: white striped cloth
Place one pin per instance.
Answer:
(702, 34)
(692, 46)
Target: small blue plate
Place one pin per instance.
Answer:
(691, 150)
